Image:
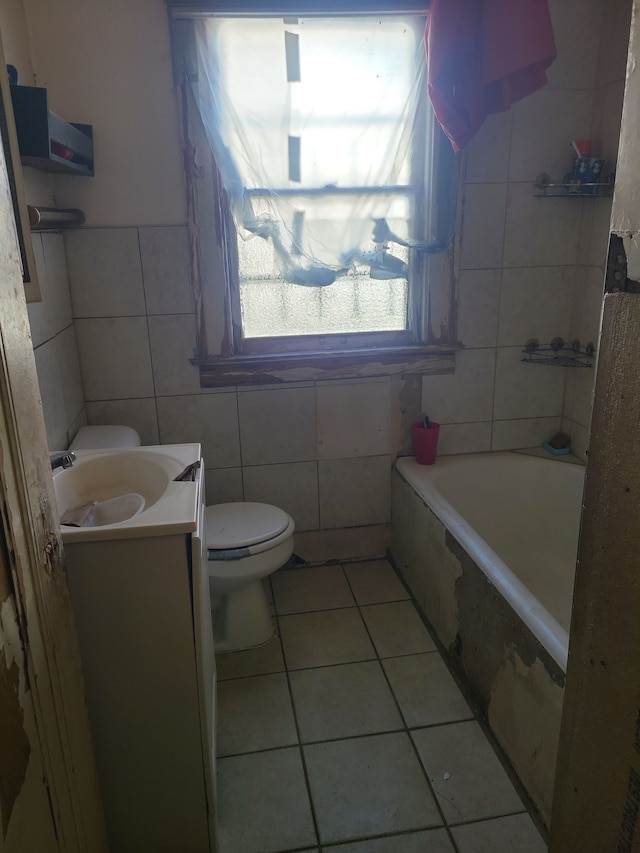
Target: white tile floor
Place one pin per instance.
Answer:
(347, 733)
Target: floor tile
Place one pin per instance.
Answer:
(368, 786)
(260, 660)
(397, 629)
(304, 590)
(255, 713)
(431, 841)
(325, 638)
(251, 807)
(515, 833)
(425, 690)
(374, 582)
(343, 701)
(476, 785)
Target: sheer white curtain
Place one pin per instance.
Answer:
(313, 124)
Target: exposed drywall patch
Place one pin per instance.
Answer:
(407, 390)
(494, 624)
(524, 712)
(14, 744)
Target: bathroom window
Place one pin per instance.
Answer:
(325, 221)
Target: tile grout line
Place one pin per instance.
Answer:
(473, 717)
(526, 800)
(305, 771)
(405, 729)
(402, 717)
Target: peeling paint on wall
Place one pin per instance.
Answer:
(14, 744)
(525, 708)
(511, 678)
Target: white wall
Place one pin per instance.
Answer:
(52, 327)
(595, 225)
(323, 450)
(109, 65)
(531, 267)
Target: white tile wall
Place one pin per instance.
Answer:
(50, 379)
(483, 226)
(223, 485)
(577, 25)
(464, 438)
(587, 303)
(277, 425)
(115, 357)
(54, 341)
(540, 145)
(353, 419)
(478, 307)
(139, 413)
(614, 42)
(354, 491)
(164, 253)
(535, 302)
(606, 122)
(49, 317)
(487, 156)
(594, 235)
(66, 352)
(292, 486)
(579, 437)
(172, 338)
(211, 419)
(105, 272)
(466, 395)
(526, 390)
(540, 232)
(525, 432)
(595, 226)
(579, 395)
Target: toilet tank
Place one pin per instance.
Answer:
(105, 436)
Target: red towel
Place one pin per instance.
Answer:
(482, 56)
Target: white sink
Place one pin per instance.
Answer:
(123, 493)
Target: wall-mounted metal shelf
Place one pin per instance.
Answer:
(560, 356)
(546, 188)
(47, 141)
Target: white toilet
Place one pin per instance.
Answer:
(246, 542)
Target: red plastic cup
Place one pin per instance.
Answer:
(425, 442)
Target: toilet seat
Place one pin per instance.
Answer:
(237, 530)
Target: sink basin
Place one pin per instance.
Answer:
(103, 478)
(125, 490)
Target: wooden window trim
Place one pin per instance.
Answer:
(318, 366)
(428, 347)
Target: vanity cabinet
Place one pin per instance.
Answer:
(144, 624)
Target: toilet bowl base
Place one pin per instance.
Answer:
(242, 619)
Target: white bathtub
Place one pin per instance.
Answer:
(517, 516)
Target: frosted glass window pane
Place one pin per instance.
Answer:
(355, 302)
(350, 304)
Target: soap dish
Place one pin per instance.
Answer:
(556, 451)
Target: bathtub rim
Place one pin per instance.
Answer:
(548, 631)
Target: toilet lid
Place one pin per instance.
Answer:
(239, 525)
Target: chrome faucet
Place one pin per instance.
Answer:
(64, 459)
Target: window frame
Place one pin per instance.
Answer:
(426, 346)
